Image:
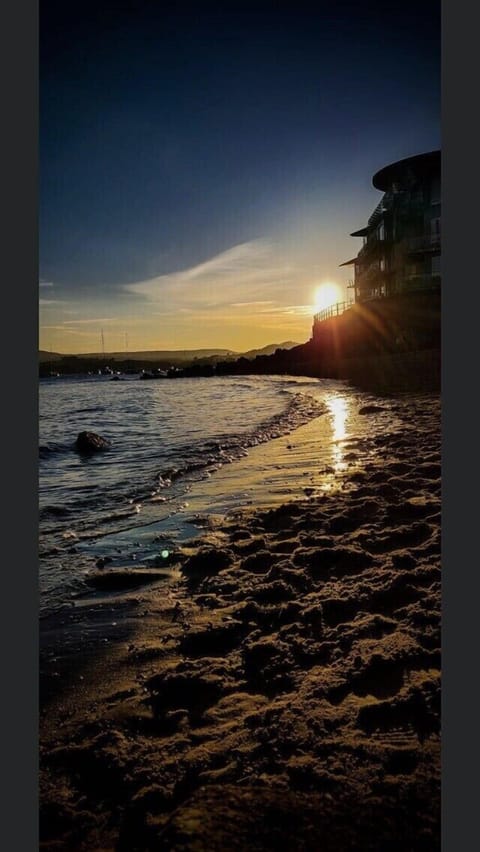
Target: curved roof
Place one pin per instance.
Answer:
(429, 162)
(362, 232)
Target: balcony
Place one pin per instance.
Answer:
(373, 247)
(373, 284)
(371, 277)
(413, 283)
(424, 243)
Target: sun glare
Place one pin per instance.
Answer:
(326, 295)
(338, 409)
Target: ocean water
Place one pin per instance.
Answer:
(128, 503)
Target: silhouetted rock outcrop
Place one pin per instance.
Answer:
(90, 442)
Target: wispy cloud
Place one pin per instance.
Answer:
(94, 321)
(241, 276)
(45, 283)
(251, 304)
(246, 296)
(66, 330)
(295, 310)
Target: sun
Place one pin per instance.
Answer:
(326, 295)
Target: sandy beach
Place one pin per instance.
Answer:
(280, 687)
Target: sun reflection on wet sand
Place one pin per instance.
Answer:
(338, 409)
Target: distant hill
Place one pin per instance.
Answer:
(44, 356)
(160, 355)
(269, 350)
(173, 355)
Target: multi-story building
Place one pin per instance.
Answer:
(401, 241)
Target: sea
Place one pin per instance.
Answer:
(129, 504)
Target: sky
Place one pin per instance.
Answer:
(202, 165)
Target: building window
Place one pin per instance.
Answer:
(435, 231)
(436, 265)
(435, 191)
(414, 269)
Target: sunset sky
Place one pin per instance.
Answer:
(203, 166)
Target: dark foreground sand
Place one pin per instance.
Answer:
(281, 692)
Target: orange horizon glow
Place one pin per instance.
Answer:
(249, 296)
(238, 333)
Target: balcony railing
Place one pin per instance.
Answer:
(371, 276)
(333, 311)
(372, 246)
(422, 282)
(426, 242)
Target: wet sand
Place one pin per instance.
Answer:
(282, 688)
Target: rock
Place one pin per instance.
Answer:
(90, 442)
(102, 561)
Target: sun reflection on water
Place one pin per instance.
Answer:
(338, 410)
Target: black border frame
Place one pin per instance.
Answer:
(19, 62)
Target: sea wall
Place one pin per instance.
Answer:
(391, 372)
(407, 321)
(386, 345)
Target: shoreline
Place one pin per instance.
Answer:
(293, 667)
(325, 437)
(156, 501)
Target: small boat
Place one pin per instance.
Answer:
(154, 374)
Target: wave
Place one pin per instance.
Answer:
(148, 477)
(54, 448)
(54, 512)
(226, 449)
(107, 504)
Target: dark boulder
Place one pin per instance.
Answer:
(90, 442)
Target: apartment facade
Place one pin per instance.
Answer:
(401, 241)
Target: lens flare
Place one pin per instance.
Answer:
(326, 295)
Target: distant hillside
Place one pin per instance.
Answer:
(160, 355)
(44, 356)
(270, 349)
(165, 355)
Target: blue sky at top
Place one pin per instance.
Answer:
(216, 156)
